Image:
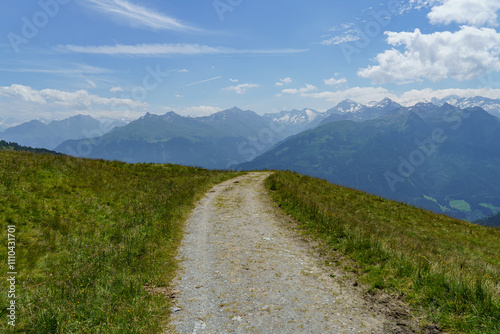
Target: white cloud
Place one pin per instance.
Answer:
(345, 33)
(301, 91)
(474, 12)
(116, 89)
(77, 99)
(343, 26)
(414, 5)
(335, 82)
(233, 80)
(138, 16)
(350, 36)
(166, 49)
(24, 93)
(90, 82)
(284, 81)
(26, 103)
(462, 55)
(241, 88)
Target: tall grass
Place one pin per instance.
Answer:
(95, 240)
(449, 268)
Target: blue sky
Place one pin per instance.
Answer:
(123, 58)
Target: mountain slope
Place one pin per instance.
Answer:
(443, 159)
(493, 221)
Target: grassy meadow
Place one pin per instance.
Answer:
(447, 268)
(95, 240)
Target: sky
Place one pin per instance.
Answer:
(123, 58)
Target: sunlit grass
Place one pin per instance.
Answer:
(90, 236)
(448, 267)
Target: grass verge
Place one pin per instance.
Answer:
(95, 240)
(447, 267)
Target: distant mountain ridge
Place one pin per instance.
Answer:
(492, 106)
(38, 134)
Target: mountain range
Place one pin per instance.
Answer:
(217, 141)
(221, 140)
(46, 134)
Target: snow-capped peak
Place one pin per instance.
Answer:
(347, 106)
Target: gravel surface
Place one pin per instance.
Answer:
(243, 271)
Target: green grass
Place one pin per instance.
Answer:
(448, 268)
(95, 240)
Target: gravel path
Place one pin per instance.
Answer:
(244, 272)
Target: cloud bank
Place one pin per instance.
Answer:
(77, 99)
(474, 12)
(462, 55)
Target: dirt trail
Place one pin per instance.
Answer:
(244, 272)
